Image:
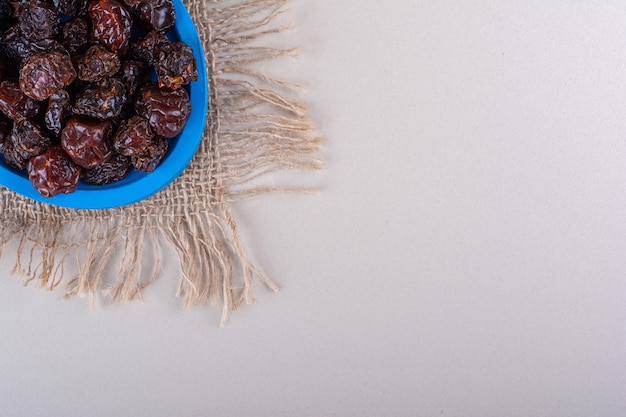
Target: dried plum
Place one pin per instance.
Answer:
(155, 14)
(146, 48)
(75, 35)
(29, 139)
(97, 64)
(38, 19)
(102, 101)
(11, 156)
(133, 74)
(66, 7)
(44, 75)
(167, 110)
(57, 111)
(5, 133)
(12, 42)
(111, 24)
(151, 157)
(20, 49)
(15, 104)
(133, 136)
(87, 141)
(53, 172)
(175, 65)
(115, 169)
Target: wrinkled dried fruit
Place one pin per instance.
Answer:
(66, 7)
(133, 74)
(101, 101)
(44, 75)
(20, 49)
(97, 64)
(38, 19)
(13, 43)
(15, 104)
(53, 172)
(175, 65)
(167, 110)
(5, 134)
(75, 35)
(108, 172)
(111, 24)
(152, 156)
(133, 136)
(58, 109)
(146, 48)
(155, 14)
(81, 7)
(87, 141)
(11, 156)
(29, 139)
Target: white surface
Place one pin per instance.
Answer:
(466, 257)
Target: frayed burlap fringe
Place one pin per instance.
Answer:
(253, 128)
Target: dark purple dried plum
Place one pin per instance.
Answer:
(175, 65)
(133, 74)
(29, 139)
(97, 64)
(53, 172)
(152, 156)
(81, 7)
(12, 43)
(5, 133)
(57, 112)
(133, 136)
(155, 14)
(102, 101)
(66, 7)
(111, 24)
(167, 110)
(11, 156)
(38, 19)
(44, 75)
(115, 169)
(146, 48)
(15, 104)
(75, 35)
(20, 49)
(87, 141)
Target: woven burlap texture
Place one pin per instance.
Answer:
(253, 128)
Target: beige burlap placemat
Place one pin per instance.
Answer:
(253, 128)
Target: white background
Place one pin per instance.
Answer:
(466, 256)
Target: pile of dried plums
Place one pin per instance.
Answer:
(76, 97)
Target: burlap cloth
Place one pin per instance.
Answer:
(253, 128)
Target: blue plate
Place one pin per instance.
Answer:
(137, 185)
